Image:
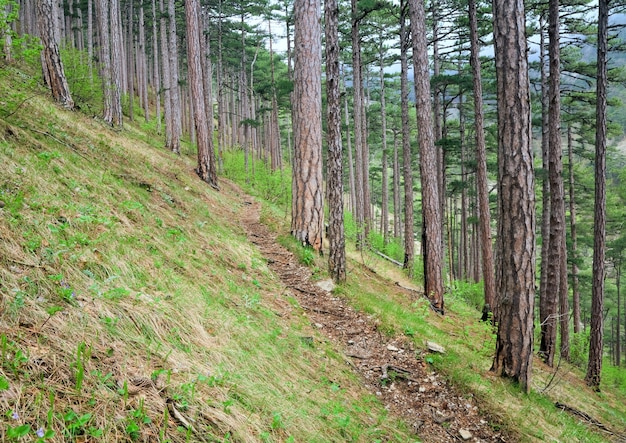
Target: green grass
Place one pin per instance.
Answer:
(116, 265)
(470, 345)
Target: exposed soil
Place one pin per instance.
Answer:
(392, 369)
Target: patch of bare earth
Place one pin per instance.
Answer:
(392, 369)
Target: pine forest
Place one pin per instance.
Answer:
(312, 221)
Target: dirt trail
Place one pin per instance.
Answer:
(390, 368)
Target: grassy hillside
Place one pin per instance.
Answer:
(134, 308)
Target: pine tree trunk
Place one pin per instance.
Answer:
(351, 179)
(143, 82)
(174, 87)
(50, 56)
(90, 34)
(383, 118)
(357, 86)
(594, 368)
(432, 238)
(557, 261)
(102, 14)
(463, 236)
(167, 79)
(409, 241)
(117, 58)
(336, 237)
(195, 56)
(547, 303)
(515, 274)
(573, 236)
(618, 285)
(156, 66)
(130, 62)
(307, 208)
(397, 208)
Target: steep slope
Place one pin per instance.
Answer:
(134, 309)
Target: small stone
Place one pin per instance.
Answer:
(187, 188)
(392, 348)
(326, 285)
(435, 347)
(318, 325)
(465, 434)
(2, 204)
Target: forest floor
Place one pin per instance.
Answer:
(390, 368)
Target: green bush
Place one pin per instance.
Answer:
(472, 293)
(83, 80)
(579, 349)
(259, 179)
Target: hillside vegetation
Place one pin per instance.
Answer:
(135, 309)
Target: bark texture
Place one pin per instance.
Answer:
(515, 271)
(206, 167)
(409, 241)
(336, 236)
(482, 189)
(431, 204)
(307, 215)
(594, 368)
(50, 57)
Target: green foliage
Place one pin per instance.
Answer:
(83, 354)
(614, 378)
(76, 424)
(258, 179)
(393, 248)
(82, 79)
(472, 293)
(579, 348)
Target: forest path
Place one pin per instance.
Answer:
(390, 368)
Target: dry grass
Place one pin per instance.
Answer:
(133, 308)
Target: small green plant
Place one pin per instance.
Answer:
(135, 419)
(12, 356)
(83, 354)
(76, 424)
(306, 255)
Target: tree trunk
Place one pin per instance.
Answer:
(397, 208)
(167, 78)
(143, 65)
(594, 368)
(117, 60)
(574, 254)
(351, 179)
(432, 238)
(482, 188)
(557, 257)
(547, 302)
(130, 62)
(463, 235)
(195, 56)
(50, 56)
(357, 86)
(515, 274)
(618, 348)
(383, 118)
(156, 67)
(307, 208)
(102, 14)
(409, 241)
(174, 87)
(336, 237)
